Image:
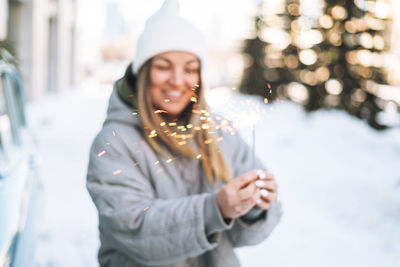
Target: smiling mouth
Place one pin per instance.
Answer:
(173, 93)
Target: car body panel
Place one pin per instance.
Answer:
(19, 182)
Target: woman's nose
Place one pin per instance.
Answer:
(177, 77)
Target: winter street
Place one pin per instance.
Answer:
(311, 86)
(339, 182)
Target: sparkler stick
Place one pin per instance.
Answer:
(253, 129)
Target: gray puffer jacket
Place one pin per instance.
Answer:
(154, 212)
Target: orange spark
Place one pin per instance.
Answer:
(183, 136)
(181, 143)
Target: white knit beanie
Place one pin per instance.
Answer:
(166, 31)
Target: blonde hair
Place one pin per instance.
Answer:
(199, 126)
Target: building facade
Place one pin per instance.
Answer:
(43, 35)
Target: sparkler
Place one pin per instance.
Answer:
(245, 114)
(248, 118)
(253, 129)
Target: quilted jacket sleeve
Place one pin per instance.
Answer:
(257, 224)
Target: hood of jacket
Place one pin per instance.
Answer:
(122, 107)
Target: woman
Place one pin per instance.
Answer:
(173, 186)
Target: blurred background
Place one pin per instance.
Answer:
(321, 75)
(320, 54)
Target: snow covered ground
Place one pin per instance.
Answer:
(339, 182)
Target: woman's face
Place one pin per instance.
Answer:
(173, 76)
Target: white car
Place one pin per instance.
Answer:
(19, 185)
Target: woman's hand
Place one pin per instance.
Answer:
(239, 195)
(268, 189)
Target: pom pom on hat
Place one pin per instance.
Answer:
(166, 31)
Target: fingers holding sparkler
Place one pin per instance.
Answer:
(268, 189)
(238, 196)
(265, 175)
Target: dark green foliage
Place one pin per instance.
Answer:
(337, 71)
(7, 53)
(253, 81)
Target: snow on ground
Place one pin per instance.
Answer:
(340, 187)
(339, 182)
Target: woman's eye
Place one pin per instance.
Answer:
(192, 71)
(162, 68)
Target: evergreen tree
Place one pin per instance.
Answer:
(355, 39)
(331, 60)
(253, 80)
